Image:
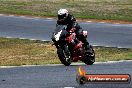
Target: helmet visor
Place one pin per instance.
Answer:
(61, 16)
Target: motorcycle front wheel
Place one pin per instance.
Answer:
(64, 55)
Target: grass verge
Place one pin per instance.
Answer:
(15, 52)
(90, 9)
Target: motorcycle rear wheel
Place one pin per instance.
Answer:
(64, 56)
(90, 57)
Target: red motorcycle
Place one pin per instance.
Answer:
(69, 48)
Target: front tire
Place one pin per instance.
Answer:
(64, 55)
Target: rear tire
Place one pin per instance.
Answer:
(90, 57)
(64, 56)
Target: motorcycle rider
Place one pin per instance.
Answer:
(64, 18)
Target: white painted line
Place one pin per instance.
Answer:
(107, 46)
(1, 14)
(8, 66)
(30, 65)
(53, 65)
(22, 38)
(11, 15)
(78, 63)
(74, 64)
(49, 18)
(25, 38)
(109, 62)
(95, 45)
(43, 40)
(8, 37)
(117, 23)
(89, 21)
(32, 39)
(27, 17)
(102, 22)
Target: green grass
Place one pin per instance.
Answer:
(113, 54)
(90, 9)
(16, 52)
(26, 52)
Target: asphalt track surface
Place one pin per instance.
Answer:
(61, 76)
(99, 34)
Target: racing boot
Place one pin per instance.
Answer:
(87, 46)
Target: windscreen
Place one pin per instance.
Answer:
(59, 28)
